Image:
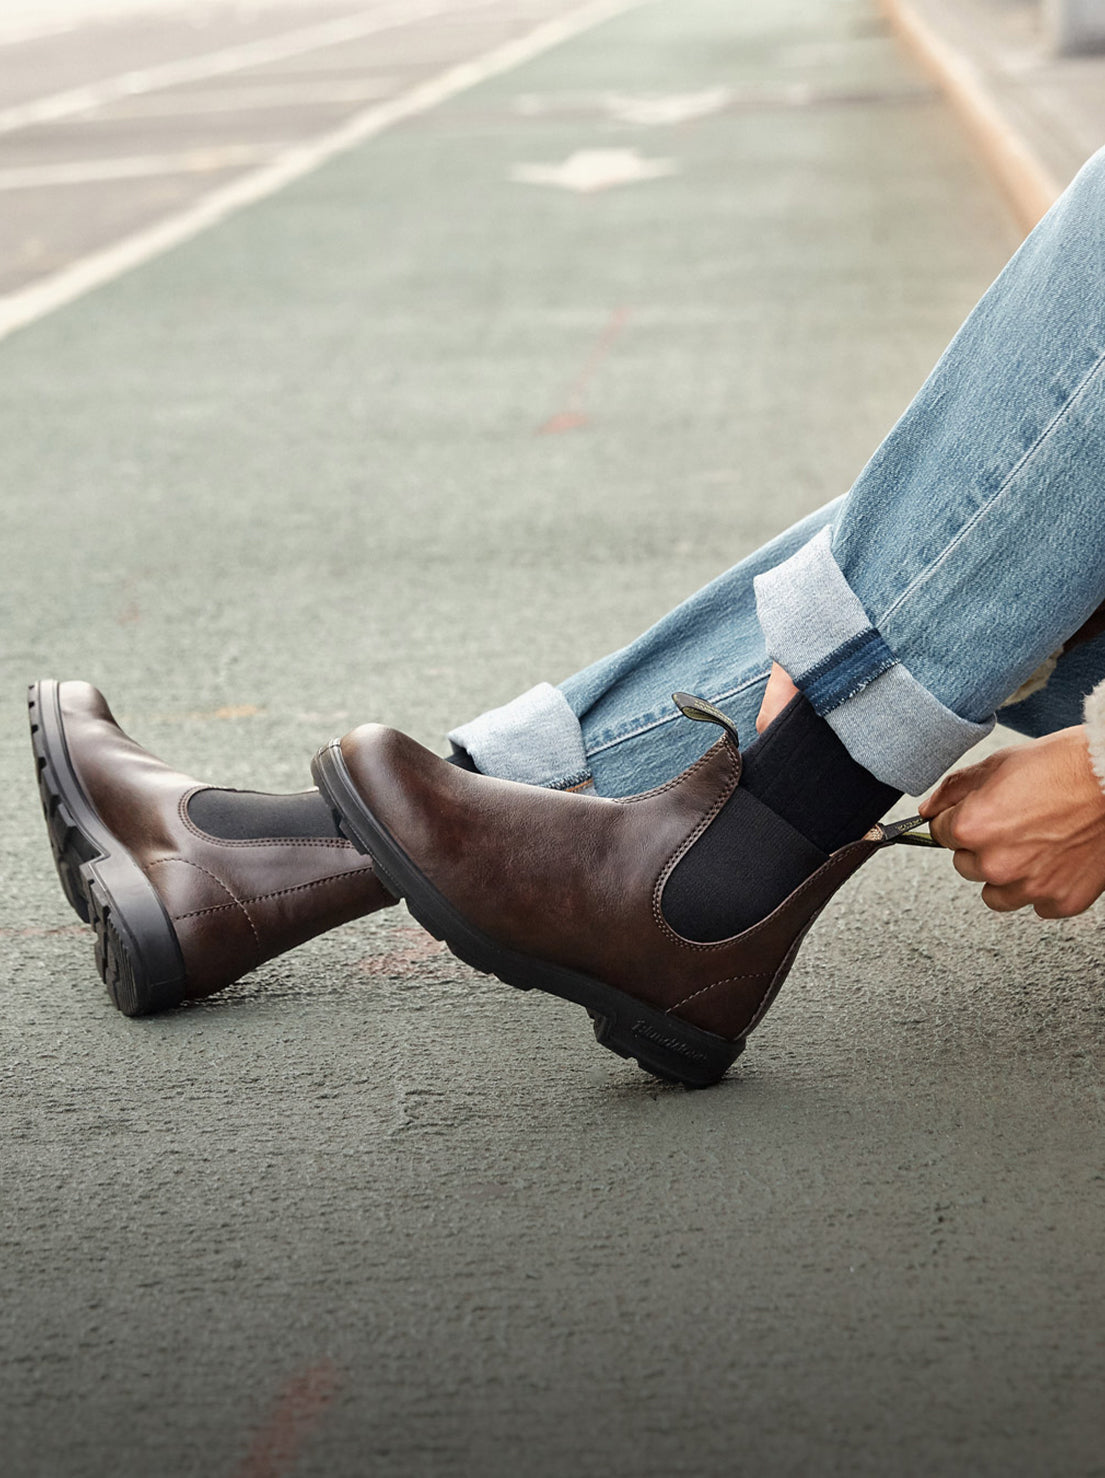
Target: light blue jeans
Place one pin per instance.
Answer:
(970, 549)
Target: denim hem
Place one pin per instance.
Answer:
(817, 629)
(535, 739)
(901, 733)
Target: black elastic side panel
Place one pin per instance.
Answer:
(743, 866)
(250, 815)
(800, 769)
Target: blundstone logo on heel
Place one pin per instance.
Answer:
(673, 1044)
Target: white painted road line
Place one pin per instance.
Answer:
(251, 99)
(32, 20)
(141, 166)
(45, 296)
(76, 100)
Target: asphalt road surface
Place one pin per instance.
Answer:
(123, 117)
(453, 413)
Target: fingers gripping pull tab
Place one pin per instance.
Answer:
(705, 712)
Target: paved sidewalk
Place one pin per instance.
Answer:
(1035, 115)
(397, 443)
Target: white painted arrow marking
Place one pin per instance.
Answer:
(588, 170)
(675, 107)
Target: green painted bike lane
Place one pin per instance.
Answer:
(396, 444)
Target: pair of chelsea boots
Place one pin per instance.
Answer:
(548, 890)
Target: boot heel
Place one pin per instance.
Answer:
(114, 957)
(68, 846)
(667, 1048)
(137, 953)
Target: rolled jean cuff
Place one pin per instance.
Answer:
(817, 629)
(535, 739)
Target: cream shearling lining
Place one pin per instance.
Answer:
(1093, 713)
(1037, 680)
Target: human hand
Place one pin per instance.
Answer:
(778, 693)
(1029, 823)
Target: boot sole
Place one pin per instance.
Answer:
(137, 953)
(662, 1045)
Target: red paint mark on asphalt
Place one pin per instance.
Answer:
(398, 960)
(200, 715)
(32, 933)
(231, 710)
(572, 415)
(295, 1415)
(563, 421)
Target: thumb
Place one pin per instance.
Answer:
(953, 789)
(778, 693)
(942, 826)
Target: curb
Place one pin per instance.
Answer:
(1027, 183)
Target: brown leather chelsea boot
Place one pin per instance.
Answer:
(178, 913)
(565, 893)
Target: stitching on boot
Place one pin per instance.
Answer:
(753, 931)
(303, 887)
(751, 975)
(685, 846)
(160, 861)
(198, 913)
(277, 893)
(647, 795)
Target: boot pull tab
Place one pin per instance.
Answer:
(906, 833)
(704, 712)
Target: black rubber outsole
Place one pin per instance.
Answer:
(662, 1045)
(137, 953)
